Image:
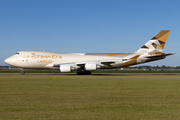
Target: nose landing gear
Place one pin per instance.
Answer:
(22, 72)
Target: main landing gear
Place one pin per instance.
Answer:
(22, 72)
(83, 72)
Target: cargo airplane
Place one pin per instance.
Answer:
(84, 63)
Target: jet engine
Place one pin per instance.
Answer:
(65, 68)
(90, 66)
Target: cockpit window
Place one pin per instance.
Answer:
(17, 53)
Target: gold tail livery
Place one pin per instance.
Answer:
(84, 63)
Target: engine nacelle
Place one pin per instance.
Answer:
(90, 66)
(65, 68)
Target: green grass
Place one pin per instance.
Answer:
(90, 97)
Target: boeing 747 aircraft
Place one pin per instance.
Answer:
(84, 63)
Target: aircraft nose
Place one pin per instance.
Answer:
(8, 61)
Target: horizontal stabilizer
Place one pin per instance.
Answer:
(160, 56)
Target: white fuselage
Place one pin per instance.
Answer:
(46, 60)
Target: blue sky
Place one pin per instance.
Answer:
(88, 26)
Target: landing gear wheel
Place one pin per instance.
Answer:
(87, 72)
(22, 72)
(80, 73)
(84, 73)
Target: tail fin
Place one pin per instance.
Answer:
(156, 44)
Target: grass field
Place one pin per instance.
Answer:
(90, 97)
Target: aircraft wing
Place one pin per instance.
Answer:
(82, 64)
(104, 62)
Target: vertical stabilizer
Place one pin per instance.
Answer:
(156, 44)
